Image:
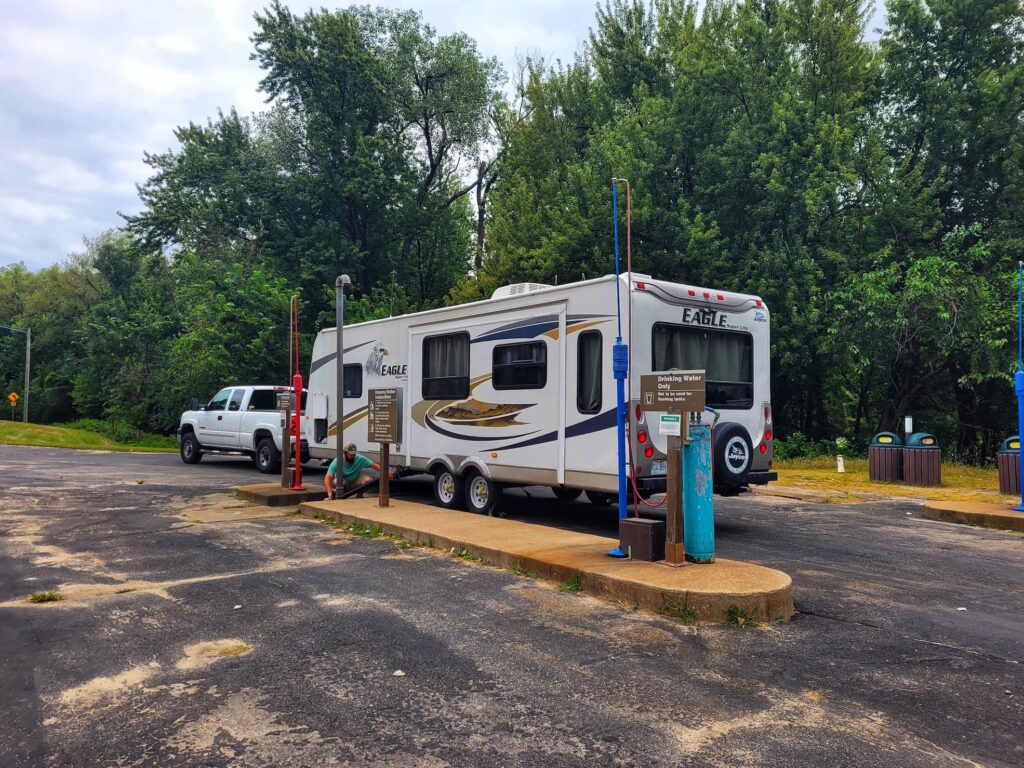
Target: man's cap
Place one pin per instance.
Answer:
(350, 448)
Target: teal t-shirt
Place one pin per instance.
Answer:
(353, 469)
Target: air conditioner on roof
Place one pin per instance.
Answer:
(516, 289)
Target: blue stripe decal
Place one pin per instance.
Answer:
(601, 421)
(524, 332)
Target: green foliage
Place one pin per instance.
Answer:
(741, 618)
(45, 597)
(573, 584)
(677, 610)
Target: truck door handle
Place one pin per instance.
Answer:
(219, 418)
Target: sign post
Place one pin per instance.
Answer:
(384, 426)
(675, 394)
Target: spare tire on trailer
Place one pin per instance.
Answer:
(734, 454)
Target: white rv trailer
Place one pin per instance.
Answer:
(518, 389)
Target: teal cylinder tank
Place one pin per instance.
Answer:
(698, 503)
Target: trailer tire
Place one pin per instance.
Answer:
(600, 498)
(191, 451)
(734, 453)
(449, 489)
(268, 458)
(482, 495)
(566, 494)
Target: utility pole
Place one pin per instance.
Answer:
(28, 365)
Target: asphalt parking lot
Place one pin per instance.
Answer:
(259, 641)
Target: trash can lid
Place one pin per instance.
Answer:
(1010, 445)
(886, 440)
(922, 440)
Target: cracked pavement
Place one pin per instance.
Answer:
(200, 631)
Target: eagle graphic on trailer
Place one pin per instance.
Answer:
(518, 389)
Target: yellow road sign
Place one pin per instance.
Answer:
(13, 398)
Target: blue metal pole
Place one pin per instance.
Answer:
(1018, 377)
(620, 368)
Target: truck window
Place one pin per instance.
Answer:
(263, 400)
(220, 400)
(446, 366)
(588, 372)
(520, 366)
(353, 380)
(726, 356)
(235, 403)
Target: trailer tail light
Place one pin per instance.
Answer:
(707, 294)
(641, 286)
(649, 451)
(692, 292)
(763, 448)
(641, 437)
(639, 414)
(767, 435)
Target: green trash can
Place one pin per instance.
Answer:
(1008, 461)
(922, 460)
(885, 458)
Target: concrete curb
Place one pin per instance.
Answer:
(273, 495)
(554, 554)
(977, 513)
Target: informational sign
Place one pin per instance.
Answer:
(285, 399)
(670, 424)
(384, 415)
(672, 391)
(13, 399)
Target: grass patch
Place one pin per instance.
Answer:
(363, 530)
(959, 481)
(574, 584)
(679, 611)
(19, 433)
(740, 618)
(518, 570)
(464, 554)
(45, 597)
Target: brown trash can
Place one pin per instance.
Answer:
(922, 460)
(885, 458)
(1008, 461)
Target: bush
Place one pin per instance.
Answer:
(798, 446)
(118, 430)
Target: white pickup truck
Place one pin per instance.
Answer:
(237, 420)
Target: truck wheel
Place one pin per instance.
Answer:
(268, 458)
(191, 453)
(449, 490)
(482, 495)
(733, 456)
(566, 494)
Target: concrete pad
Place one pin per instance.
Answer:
(787, 492)
(980, 513)
(707, 590)
(273, 495)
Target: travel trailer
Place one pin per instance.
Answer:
(518, 389)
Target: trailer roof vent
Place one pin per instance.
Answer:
(516, 289)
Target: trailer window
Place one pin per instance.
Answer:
(353, 380)
(726, 356)
(588, 372)
(520, 366)
(446, 366)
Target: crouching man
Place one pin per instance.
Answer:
(353, 471)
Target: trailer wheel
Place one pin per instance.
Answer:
(600, 498)
(449, 489)
(566, 494)
(268, 458)
(191, 452)
(482, 495)
(734, 454)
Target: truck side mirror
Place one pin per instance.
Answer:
(194, 404)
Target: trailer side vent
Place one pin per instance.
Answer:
(516, 289)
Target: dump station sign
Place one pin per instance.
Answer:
(383, 413)
(672, 391)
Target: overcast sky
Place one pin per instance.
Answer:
(86, 86)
